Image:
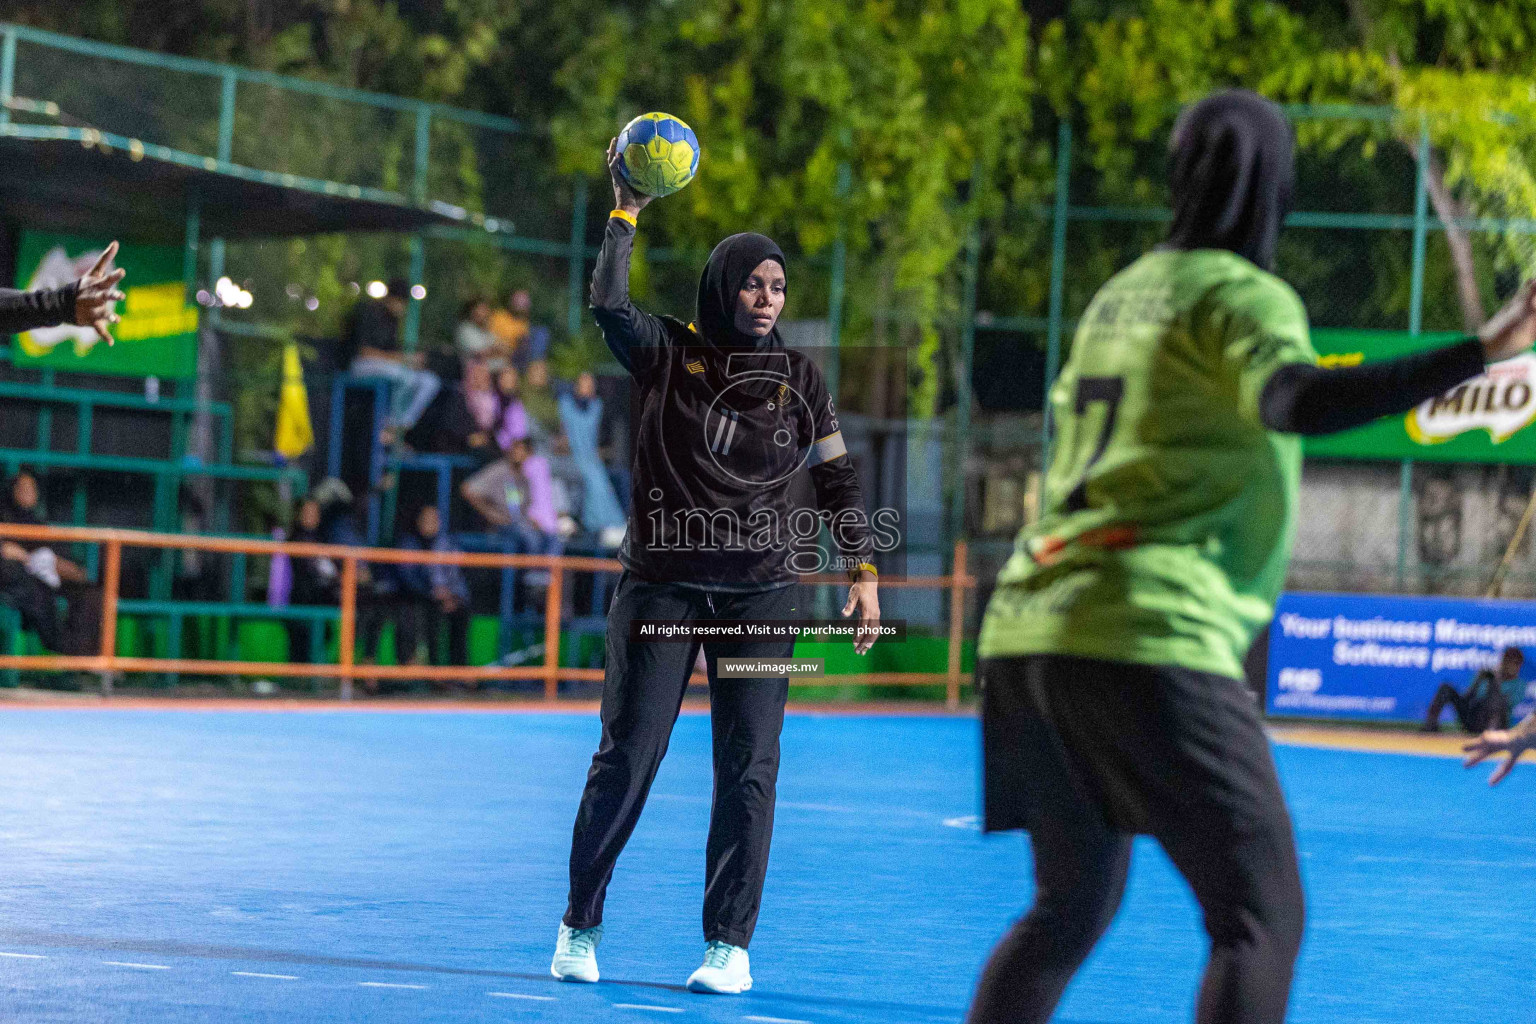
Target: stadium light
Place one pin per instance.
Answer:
(418, 291)
(377, 289)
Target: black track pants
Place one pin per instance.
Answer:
(643, 689)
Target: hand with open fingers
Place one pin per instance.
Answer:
(864, 598)
(1512, 330)
(1510, 742)
(96, 297)
(625, 196)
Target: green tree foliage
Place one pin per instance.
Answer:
(919, 98)
(943, 110)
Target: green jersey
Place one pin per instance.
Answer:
(1168, 511)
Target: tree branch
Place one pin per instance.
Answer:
(1448, 208)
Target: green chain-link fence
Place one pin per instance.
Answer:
(1363, 250)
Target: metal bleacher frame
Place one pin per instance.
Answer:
(167, 474)
(382, 504)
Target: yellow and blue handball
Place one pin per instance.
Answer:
(658, 154)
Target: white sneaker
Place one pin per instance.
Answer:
(576, 953)
(726, 971)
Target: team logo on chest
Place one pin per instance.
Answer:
(750, 428)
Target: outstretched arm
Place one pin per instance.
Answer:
(628, 330)
(90, 301)
(1510, 742)
(1300, 398)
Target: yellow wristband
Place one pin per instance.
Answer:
(625, 215)
(864, 567)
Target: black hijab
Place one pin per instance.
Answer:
(1231, 176)
(728, 268)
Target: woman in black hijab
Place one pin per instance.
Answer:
(727, 420)
(1231, 176)
(1113, 703)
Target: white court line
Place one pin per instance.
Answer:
(24, 956)
(139, 967)
(257, 974)
(388, 984)
(776, 1020)
(1524, 865)
(645, 1006)
(519, 995)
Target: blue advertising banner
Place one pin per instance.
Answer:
(1368, 656)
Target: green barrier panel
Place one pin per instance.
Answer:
(129, 637)
(261, 640)
(482, 639)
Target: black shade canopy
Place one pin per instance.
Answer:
(62, 185)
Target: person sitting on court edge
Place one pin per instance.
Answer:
(33, 577)
(1484, 705)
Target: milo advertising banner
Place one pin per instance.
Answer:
(1486, 419)
(157, 336)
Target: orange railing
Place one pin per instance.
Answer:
(108, 661)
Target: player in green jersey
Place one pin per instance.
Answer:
(1113, 644)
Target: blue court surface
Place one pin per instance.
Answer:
(173, 866)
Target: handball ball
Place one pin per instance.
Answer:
(658, 154)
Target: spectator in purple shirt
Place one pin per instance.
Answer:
(511, 418)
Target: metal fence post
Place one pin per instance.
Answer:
(411, 335)
(963, 375)
(957, 584)
(227, 116)
(1415, 326)
(189, 247)
(578, 257)
(7, 75)
(552, 602)
(1059, 212)
(838, 284)
(111, 580)
(347, 629)
(1404, 518)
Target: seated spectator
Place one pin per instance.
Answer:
(33, 577)
(378, 604)
(431, 596)
(467, 418)
(371, 341)
(376, 589)
(515, 497)
(511, 416)
(538, 397)
(475, 340)
(510, 324)
(581, 417)
(1484, 705)
(312, 581)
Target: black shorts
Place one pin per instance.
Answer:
(1148, 745)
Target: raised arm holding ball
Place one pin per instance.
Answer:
(728, 418)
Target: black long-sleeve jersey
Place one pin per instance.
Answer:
(722, 437)
(22, 311)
